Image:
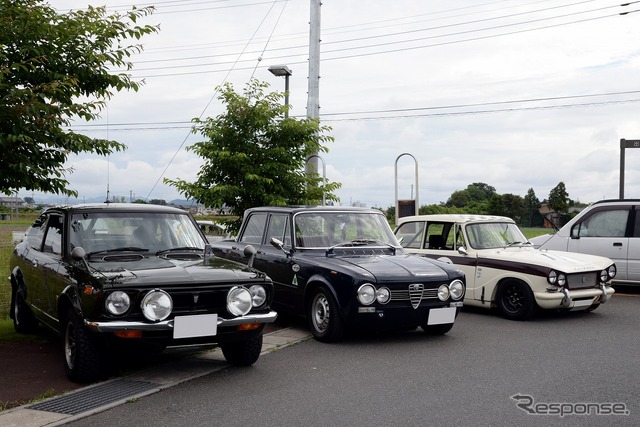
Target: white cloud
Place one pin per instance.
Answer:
(519, 148)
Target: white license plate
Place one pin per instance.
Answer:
(439, 316)
(202, 325)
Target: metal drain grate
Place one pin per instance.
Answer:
(94, 397)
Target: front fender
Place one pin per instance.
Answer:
(314, 283)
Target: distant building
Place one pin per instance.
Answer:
(11, 202)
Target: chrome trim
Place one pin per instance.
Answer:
(566, 300)
(604, 297)
(167, 325)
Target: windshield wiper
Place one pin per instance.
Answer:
(182, 248)
(122, 249)
(360, 242)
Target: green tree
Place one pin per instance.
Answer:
(55, 67)
(253, 156)
(532, 216)
(559, 199)
(509, 205)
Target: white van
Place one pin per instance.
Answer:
(609, 228)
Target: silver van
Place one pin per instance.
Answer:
(609, 228)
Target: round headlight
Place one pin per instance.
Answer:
(562, 279)
(604, 275)
(552, 277)
(612, 271)
(258, 295)
(239, 301)
(383, 295)
(117, 303)
(456, 288)
(156, 305)
(443, 292)
(366, 294)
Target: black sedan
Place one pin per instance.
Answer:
(120, 274)
(343, 267)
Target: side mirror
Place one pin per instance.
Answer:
(250, 252)
(78, 253)
(462, 250)
(278, 244)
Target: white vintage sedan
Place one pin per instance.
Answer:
(503, 269)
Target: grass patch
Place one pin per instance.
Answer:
(8, 334)
(530, 232)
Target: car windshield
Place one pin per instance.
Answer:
(133, 231)
(326, 229)
(494, 235)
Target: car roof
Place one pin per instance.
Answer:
(117, 207)
(459, 218)
(298, 209)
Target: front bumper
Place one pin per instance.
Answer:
(574, 299)
(167, 325)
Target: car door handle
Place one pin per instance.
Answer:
(617, 244)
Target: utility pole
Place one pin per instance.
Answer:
(313, 94)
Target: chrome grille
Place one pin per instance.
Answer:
(403, 294)
(582, 280)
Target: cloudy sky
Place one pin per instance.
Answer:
(516, 94)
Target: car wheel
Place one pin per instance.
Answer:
(437, 329)
(244, 353)
(516, 301)
(24, 321)
(82, 355)
(324, 319)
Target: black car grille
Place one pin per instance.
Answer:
(201, 301)
(582, 280)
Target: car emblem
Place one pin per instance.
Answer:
(195, 298)
(584, 279)
(415, 294)
(295, 268)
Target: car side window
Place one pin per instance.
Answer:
(35, 234)
(607, 223)
(435, 236)
(412, 234)
(255, 229)
(279, 228)
(53, 239)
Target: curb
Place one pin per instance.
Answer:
(80, 403)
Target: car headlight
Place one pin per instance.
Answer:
(604, 275)
(562, 279)
(456, 289)
(612, 271)
(117, 303)
(258, 295)
(443, 292)
(383, 295)
(552, 277)
(239, 301)
(366, 294)
(156, 305)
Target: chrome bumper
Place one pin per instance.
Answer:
(167, 325)
(566, 300)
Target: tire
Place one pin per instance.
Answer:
(24, 321)
(83, 359)
(244, 353)
(437, 329)
(515, 300)
(324, 318)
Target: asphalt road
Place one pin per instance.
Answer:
(467, 377)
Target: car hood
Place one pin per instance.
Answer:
(400, 268)
(160, 271)
(568, 262)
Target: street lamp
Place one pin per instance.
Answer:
(283, 71)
